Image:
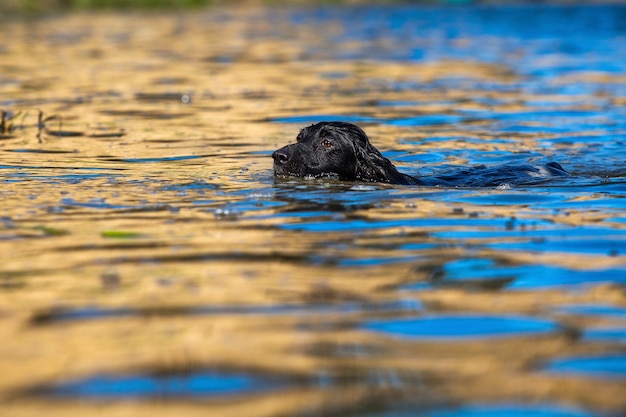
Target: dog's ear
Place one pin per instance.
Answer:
(373, 167)
(370, 164)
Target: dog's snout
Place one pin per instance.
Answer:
(280, 157)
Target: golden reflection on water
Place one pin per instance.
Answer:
(105, 219)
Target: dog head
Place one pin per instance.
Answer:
(336, 149)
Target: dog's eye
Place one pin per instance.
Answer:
(327, 144)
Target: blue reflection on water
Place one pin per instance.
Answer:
(509, 411)
(321, 118)
(196, 384)
(364, 225)
(595, 309)
(92, 313)
(461, 327)
(521, 276)
(611, 366)
(162, 159)
(589, 240)
(604, 335)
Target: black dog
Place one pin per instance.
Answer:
(343, 151)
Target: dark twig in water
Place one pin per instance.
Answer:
(6, 124)
(41, 125)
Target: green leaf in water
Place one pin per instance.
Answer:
(52, 231)
(120, 234)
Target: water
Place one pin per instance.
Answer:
(452, 328)
(141, 228)
(508, 410)
(195, 385)
(611, 366)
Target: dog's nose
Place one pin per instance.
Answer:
(280, 157)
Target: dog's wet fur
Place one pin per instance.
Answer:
(343, 151)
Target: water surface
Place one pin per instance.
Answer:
(141, 227)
